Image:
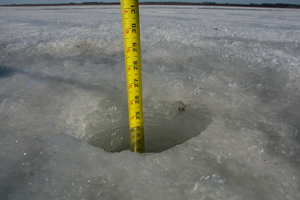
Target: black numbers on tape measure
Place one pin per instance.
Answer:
(134, 49)
(133, 25)
(136, 81)
(137, 115)
(132, 8)
(135, 67)
(137, 101)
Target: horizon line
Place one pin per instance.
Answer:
(271, 5)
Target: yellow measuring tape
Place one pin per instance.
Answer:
(132, 51)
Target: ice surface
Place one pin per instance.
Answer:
(63, 89)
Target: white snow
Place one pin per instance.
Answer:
(62, 87)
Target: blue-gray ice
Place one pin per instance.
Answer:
(62, 85)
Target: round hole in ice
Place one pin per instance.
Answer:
(166, 124)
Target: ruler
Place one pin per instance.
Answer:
(132, 52)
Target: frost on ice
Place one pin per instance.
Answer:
(221, 104)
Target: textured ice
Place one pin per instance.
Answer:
(63, 91)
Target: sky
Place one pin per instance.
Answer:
(9, 2)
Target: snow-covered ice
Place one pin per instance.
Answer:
(62, 89)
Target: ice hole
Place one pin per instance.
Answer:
(165, 126)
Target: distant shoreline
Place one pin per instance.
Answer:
(263, 5)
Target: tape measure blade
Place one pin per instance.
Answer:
(132, 53)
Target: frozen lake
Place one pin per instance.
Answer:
(63, 106)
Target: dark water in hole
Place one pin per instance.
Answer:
(157, 139)
(161, 131)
